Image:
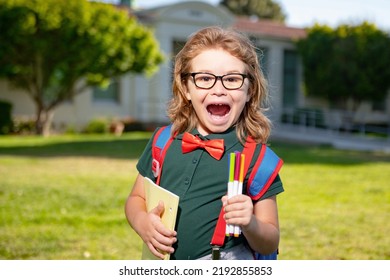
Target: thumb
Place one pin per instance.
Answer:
(159, 209)
(224, 200)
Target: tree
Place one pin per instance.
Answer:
(349, 62)
(265, 9)
(54, 49)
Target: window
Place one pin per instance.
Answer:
(177, 45)
(111, 93)
(262, 54)
(290, 79)
(379, 105)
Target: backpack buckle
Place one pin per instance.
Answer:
(215, 252)
(156, 167)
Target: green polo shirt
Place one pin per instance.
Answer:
(200, 181)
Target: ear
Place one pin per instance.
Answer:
(187, 93)
(188, 96)
(248, 97)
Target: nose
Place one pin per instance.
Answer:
(218, 86)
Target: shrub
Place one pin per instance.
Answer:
(97, 126)
(5, 117)
(24, 125)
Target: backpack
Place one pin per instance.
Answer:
(266, 168)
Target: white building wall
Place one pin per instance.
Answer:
(22, 103)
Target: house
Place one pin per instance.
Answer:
(145, 98)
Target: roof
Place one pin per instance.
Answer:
(170, 11)
(250, 25)
(269, 28)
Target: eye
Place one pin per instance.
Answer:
(233, 78)
(204, 78)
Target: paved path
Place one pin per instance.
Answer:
(338, 140)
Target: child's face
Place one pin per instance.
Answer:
(217, 108)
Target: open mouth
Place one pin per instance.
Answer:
(218, 110)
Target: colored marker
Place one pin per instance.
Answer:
(237, 229)
(235, 182)
(230, 186)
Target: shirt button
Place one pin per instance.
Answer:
(187, 181)
(194, 161)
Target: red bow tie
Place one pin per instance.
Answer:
(214, 147)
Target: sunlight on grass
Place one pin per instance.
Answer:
(63, 198)
(61, 208)
(335, 212)
(67, 208)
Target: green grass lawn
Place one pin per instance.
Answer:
(63, 198)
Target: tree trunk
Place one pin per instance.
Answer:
(44, 121)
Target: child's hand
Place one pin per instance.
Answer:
(238, 210)
(157, 237)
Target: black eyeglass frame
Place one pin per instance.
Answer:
(193, 74)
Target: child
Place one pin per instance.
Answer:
(218, 92)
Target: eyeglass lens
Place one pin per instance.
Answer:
(229, 81)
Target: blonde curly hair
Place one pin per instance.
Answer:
(252, 121)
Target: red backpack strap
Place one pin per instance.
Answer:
(161, 141)
(248, 151)
(218, 238)
(220, 230)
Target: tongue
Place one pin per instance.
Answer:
(219, 110)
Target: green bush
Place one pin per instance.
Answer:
(24, 125)
(97, 126)
(5, 117)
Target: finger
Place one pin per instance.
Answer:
(234, 206)
(239, 217)
(239, 198)
(155, 252)
(165, 232)
(159, 209)
(165, 240)
(224, 200)
(161, 247)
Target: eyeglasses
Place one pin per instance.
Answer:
(208, 80)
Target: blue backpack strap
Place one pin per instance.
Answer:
(161, 141)
(264, 172)
(270, 257)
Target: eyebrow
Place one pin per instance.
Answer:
(212, 72)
